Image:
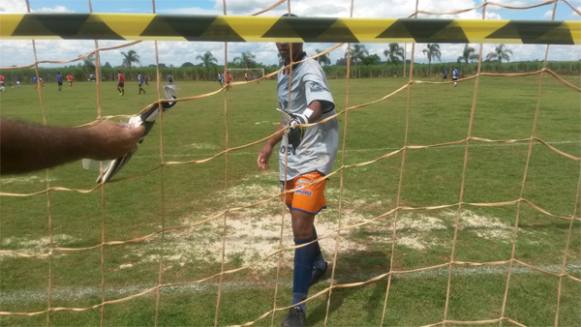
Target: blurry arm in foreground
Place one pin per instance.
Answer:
(26, 147)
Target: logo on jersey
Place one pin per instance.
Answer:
(316, 87)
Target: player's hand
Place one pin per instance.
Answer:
(296, 132)
(108, 140)
(264, 156)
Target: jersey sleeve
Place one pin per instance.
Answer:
(316, 89)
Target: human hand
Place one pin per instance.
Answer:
(263, 156)
(296, 132)
(108, 140)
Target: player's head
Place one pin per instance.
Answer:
(286, 51)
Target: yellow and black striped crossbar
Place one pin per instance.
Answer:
(283, 29)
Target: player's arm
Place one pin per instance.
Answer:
(25, 147)
(266, 151)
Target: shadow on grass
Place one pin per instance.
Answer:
(355, 266)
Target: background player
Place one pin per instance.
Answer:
(70, 79)
(59, 81)
(121, 82)
(2, 83)
(455, 76)
(141, 81)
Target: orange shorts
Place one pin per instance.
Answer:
(309, 197)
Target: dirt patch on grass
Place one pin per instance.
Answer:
(253, 235)
(486, 227)
(25, 180)
(202, 146)
(36, 248)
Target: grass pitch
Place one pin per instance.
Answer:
(180, 196)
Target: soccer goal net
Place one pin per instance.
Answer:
(455, 197)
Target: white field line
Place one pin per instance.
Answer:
(472, 145)
(82, 293)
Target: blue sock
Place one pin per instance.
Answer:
(304, 259)
(319, 261)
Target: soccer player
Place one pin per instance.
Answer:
(26, 147)
(2, 82)
(306, 155)
(59, 81)
(141, 81)
(220, 79)
(455, 75)
(70, 79)
(121, 82)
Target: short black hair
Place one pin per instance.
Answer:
(289, 15)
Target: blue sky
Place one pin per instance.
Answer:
(176, 6)
(176, 53)
(136, 6)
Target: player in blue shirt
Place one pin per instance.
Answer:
(455, 76)
(59, 80)
(141, 81)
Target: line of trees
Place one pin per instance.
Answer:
(365, 65)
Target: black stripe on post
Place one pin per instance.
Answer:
(66, 26)
(97, 29)
(535, 32)
(309, 29)
(221, 30)
(425, 30)
(184, 26)
(338, 32)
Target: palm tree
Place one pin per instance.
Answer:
(323, 59)
(247, 59)
(129, 58)
(371, 60)
(432, 51)
(394, 53)
(88, 63)
(207, 59)
(499, 54)
(468, 55)
(358, 53)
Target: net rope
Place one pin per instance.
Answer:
(466, 142)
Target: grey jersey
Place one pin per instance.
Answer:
(318, 149)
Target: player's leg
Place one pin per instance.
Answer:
(304, 204)
(305, 255)
(319, 265)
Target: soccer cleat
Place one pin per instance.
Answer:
(318, 273)
(296, 318)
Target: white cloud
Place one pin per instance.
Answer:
(12, 6)
(548, 14)
(55, 9)
(19, 6)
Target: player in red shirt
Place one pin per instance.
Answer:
(121, 83)
(70, 79)
(2, 81)
(229, 78)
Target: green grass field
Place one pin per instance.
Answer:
(181, 195)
